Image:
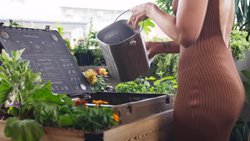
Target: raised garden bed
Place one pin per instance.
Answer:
(152, 128)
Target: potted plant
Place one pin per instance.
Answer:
(87, 51)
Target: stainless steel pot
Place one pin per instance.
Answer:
(123, 50)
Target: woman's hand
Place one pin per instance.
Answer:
(152, 49)
(139, 14)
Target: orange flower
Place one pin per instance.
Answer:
(102, 71)
(80, 102)
(116, 117)
(99, 102)
(90, 75)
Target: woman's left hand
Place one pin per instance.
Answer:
(139, 14)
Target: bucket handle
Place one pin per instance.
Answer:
(126, 12)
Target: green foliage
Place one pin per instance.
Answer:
(240, 131)
(239, 44)
(59, 28)
(167, 63)
(242, 14)
(99, 59)
(23, 130)
(165, 85)
(93, 119)
(148, 24)
(247, 85)
(5, 90)
(101, 85)
(165, 5)
(14, 24)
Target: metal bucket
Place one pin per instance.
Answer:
(123, 50)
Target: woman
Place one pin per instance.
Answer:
(210, 93)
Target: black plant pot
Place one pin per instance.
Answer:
(91, 58)
(85, 58)
(93, 136)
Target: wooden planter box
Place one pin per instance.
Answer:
(158, 127)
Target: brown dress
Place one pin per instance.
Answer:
(210, 92)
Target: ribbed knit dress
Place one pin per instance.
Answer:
(210, 93)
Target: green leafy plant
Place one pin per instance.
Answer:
(164, 85)
(240, 131)
(239, 44)
(59, 28)
(33, 105)
(242, 15)
(247, 85)
(99, 58)
(148, 24)
(167, 63)
(14, 24)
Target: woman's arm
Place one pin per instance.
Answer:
(184, 28)
(154, 48)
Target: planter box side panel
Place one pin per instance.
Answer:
(155, 128)
(57, 134)
(2, 136)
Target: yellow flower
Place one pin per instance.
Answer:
(69, 46)
(116, 117)
(102, 71)
(90, 75)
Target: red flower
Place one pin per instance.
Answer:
(80, 102)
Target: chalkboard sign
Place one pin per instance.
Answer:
(49, 55)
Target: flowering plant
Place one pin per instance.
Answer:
(97, 80)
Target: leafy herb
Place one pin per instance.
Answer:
(165, 85)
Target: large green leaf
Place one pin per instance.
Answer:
(47, 113)
(5, 56)
(148, 24)
(23, 130)
(5, 90)
(65, 121)
(46, 95)
(17, 54)
(245, 132)
(247, 92)
(246, 73)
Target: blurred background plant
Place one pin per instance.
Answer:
(239, 44)
(165, 5)
(167, 63)
(88, 50)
